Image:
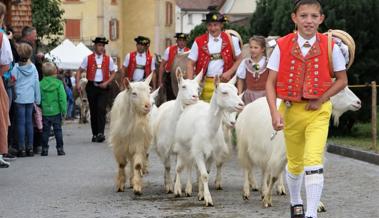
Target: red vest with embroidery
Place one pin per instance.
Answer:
(204, 56)
(173, 50)
(133, 65)
(302, 77)
(92, 67)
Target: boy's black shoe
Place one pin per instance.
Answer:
(29, 152)
(21, 153)
(44, 152)
(94, 138)
(9, 157)
(60, 152)
(100, 137)
(297, 211)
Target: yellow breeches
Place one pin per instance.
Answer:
(208, 89)
(305, 135)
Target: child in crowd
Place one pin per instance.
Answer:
(27, 92)
(54, 107)
(252, 73)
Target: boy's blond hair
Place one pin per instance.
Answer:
(49, 69)
(24, 50)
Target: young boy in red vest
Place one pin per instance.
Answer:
(167, 61)
(140, 63)
(215, 52)
(300, 76)
(100, 70)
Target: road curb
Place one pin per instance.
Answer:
(369, 157)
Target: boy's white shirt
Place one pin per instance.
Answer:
(339, 63)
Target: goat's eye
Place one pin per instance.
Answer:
(224, 93)
(183, 87)
(134, 93)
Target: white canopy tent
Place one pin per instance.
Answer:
(67, 56)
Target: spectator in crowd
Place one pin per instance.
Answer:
(70, 94)
(27, 93)
(6, 59)
(54, 106)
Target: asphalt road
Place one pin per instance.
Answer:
(81, 184)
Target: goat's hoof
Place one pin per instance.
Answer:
(245, 197)
(178, 195)
(200, 197)
(137, 193)
(219, 187)
(188, 194)
(120, 190)
(282, 193)
(267, 205)
(321, 208)
(209, 204)
(120, 187)
(254, 189)
(169, 190)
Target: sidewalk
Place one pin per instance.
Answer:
(366, 156)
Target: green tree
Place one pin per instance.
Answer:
(47, 19)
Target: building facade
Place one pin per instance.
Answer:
(120, 21)
(19, 14)
(190, 13)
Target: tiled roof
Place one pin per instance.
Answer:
(198, 5)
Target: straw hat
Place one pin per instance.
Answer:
(346, 39)
(235, 34)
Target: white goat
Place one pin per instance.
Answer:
(199, 135)
(257, 147)
(167, 118)
(130, 132)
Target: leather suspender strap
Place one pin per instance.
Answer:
(330, 53)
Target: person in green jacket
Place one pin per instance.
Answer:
(54, 106)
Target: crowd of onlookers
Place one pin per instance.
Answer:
(38, 95)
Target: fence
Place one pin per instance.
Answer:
(373, 112)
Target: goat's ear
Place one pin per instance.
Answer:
(155, 93)
(241, 95)
(126, 83)
(233, 80)
(149, 78)
(216, 80)
(179, 74)
(199, 77)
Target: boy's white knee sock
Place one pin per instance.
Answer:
(314, 183)
(294, 183)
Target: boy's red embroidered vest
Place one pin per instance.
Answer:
(173, 50)
(133, 65)
(204, 56)
(92, 67)
(302, 77)
(256, 83)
